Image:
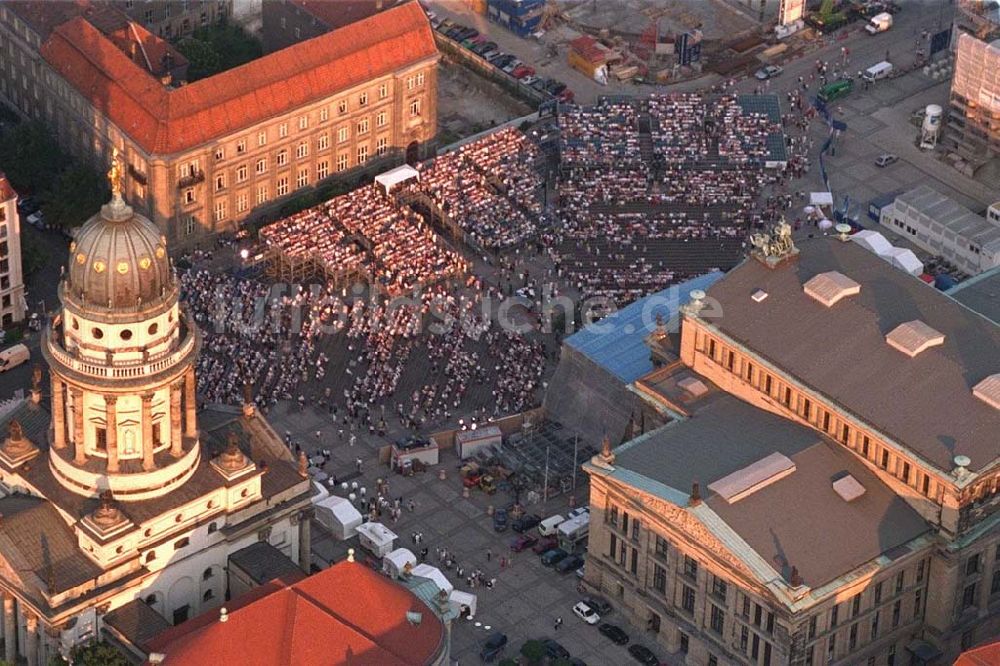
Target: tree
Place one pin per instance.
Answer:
(30, 156)
(533, 651)
(97, 654)
(202, 57)
(74, 197)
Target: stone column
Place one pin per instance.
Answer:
(79, 454)
(147, 432)
(305, 541)
(176, 442)
(9, 629)
(58, 413)
(190, 405)
(31, 638)
(111, 437)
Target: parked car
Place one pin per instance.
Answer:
(500, 520)
(554, 556)
(578, 511)
(554, 650)
(555, 87)
(582, 571)
(768, 72)
(569, 563)
(511, 66)
(615, 633)
(523, 542)
(586, 613)
(522, 71)
(453, 31)
(503, 60)
(643, 655)
(545, 544)
(885, 159)
(493, 646)
(525, 522)
(599, 604)
(484, 47)
(540, 84)
(445, 25)
(529, 80)
(37, 220)
(492, 56)
(27, 205)
(566, 96)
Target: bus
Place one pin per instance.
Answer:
(836, 90)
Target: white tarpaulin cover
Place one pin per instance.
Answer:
(872, 241)
(457, 599)
(376, 537)
(427, 571)
(401, 174)
(395, 562)
(905, 259)
(338, 515)
(821, 198)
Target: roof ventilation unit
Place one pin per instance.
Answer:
(758, 295)
(988, 391)
(848, 488)
(693, 386)
(914, 337)
(830, 287)
(744, 482)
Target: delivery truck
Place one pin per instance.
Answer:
(879, 23)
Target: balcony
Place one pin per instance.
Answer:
(191, 180)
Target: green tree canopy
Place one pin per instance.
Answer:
(75, 196)
(533, 651)
(30, 156)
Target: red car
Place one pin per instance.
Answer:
(522, 71)
(523, 542)
(566, 96)
(545, 544)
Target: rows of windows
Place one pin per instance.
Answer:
(820, 417)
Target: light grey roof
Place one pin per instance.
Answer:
(798, 520)
(980, 293)
(924, 403)
(953, 216)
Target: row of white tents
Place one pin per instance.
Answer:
(899, 257)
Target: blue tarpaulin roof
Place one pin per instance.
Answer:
(617, 342)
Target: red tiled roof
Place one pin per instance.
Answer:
(987, 655)
(6, 190)
(347, 614)
(165, 121)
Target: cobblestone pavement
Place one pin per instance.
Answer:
(527, 597)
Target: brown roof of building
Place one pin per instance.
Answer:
(925, 403)
(43, 17)
(164, 120)
(6, 189)
(137, 621)
(347, 614)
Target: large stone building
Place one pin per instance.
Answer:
(288, 22)
(826, 489)
(973, 129)
(12, 303)
(116, 491)
(170, 18)
(205, 156)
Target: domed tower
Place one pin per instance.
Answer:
(121, 354)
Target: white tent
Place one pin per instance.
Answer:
(872, 241)
(395, 562)
(338, 515)
(401, 174)
(427, 571)
(824, 224)
(376, 538)
(905, 260)
(460, 600)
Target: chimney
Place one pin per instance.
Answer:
(156, 658)
(378, 5)
(695, 494)
(796, 579)
(223, 614)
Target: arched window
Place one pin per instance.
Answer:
(206, 574)
(150, 556)
(208, 596)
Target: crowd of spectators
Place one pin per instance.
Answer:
(366, 230)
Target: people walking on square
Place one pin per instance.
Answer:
(558, 623)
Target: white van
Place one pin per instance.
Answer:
(550, 525)
(879, 23)
(879, 71)
(13, 357)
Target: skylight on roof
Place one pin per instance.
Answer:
(830, 287)
(914, 337)
(693, 386)
(848, 488)
(744, 482)
(988, 391)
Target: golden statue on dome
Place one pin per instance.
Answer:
(116, 174)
